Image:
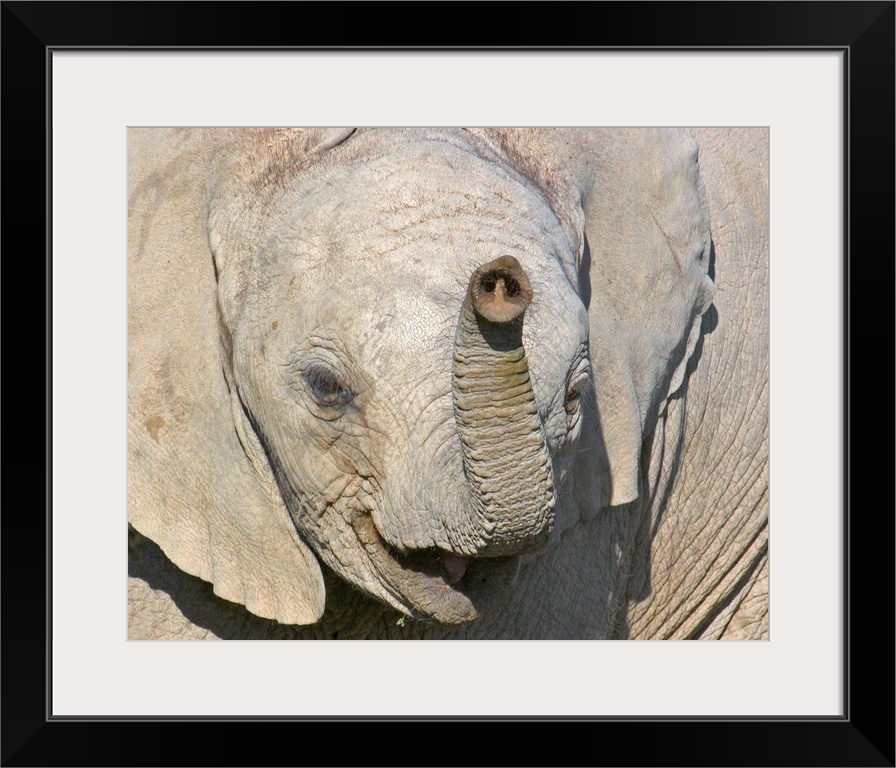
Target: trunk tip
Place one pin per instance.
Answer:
(500, 290)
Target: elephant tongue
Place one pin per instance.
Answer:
(455, 565)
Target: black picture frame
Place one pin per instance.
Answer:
(863, 31)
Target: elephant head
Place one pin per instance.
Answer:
(413, 356)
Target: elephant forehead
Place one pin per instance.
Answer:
(398, 321)
(383, 247)
(409, 288)
(414, 267)
(419, 193)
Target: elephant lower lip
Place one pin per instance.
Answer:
(437, 565)
(435, 584)
(415, 581)
(454, 580)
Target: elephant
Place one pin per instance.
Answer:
(445, 383)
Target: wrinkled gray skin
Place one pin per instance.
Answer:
(447, 384)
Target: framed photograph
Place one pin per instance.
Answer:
(814, 80)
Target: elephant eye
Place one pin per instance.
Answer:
(572, 403)
(578, 388)
(572, 399)
(325, 387)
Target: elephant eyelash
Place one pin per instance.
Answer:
(580, 382)
(576, 390)
(325, 388)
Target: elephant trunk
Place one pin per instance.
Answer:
(505, 453)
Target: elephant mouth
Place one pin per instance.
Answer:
(434, 584)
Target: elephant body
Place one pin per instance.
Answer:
(434, 383)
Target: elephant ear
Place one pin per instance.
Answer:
(192, 487)
(633, 204)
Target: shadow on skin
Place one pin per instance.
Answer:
(614, 606)
(711, 317)
(585, 275)
(643, 506)
(708, 323)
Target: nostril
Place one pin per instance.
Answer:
(501, 281)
